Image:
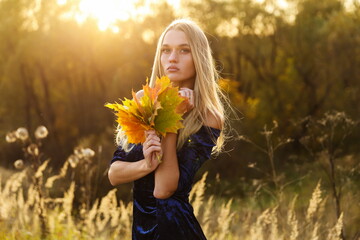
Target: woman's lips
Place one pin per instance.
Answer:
(172, 69)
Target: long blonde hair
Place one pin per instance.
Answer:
(207, 94)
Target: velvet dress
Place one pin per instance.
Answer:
(171, 218)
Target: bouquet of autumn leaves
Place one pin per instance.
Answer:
(160, 108)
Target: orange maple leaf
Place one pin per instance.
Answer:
(160, 108)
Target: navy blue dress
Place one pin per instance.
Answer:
(171, 218)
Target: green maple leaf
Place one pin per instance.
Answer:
(160, 108)
(168, 118)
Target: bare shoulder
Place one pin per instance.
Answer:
(213, 120)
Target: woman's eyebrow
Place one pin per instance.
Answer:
(180, 45)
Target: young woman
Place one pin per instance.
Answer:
(160, 193)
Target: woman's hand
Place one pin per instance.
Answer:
(152, 149)
(189, 94)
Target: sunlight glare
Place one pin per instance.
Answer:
(61, 2)
(80, 18)
(108, 12)
(115, 29)
(350, 5)
(282, 4)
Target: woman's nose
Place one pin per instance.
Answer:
(173, 56)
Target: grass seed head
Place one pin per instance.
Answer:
(11, 137)
(22, 134)
(41, 132)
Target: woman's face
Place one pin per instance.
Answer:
(176, 59)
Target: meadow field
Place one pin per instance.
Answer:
(27, 214)
(36, 203)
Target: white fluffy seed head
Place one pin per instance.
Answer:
(41, 132)
(22, 133)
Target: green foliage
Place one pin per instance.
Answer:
(282, 65)
(59, 73)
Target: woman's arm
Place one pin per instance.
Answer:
(167, 173)
(123, 172)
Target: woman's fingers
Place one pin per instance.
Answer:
(153, 149)
(152, 145)
(189, 94)
(151, 156)
(149, 132)
(152, 139)
(186, 92)
(147, 151)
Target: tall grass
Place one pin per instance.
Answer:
(29, 209)
(110, 218)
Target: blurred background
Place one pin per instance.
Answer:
(290, 67)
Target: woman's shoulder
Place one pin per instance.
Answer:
(213, 120)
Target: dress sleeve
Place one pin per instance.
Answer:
(193, 154)
(119, 155)
(135, 154)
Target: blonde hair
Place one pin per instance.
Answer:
(207, 94)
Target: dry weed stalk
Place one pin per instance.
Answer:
(107, 205)
(324, 141)
(314, 202)
(68, 205)
(292, 220)
(14, 183)
(50, 181)
(125, 219)
(315, 232)
(30, 202)
(89, 220)
(8, 196)
(114, 210)
(256, 231)
(274, 232)
(224, 219)
(197, 194)
(38, 182)
(33, 155)
(216, 224)
(270, 149)
(206, 220)
(335, 233)
(21, 206)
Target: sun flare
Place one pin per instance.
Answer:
(108, 12)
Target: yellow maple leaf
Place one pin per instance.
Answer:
(160, 108)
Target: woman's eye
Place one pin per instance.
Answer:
(165, 50)
(185, 50)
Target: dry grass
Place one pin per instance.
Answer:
(30, 210)
(110, 218)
